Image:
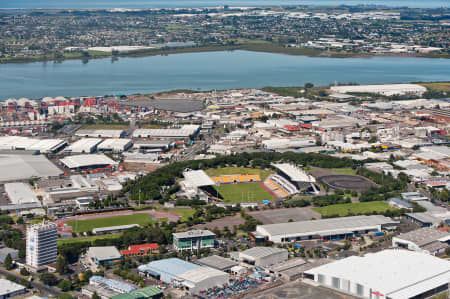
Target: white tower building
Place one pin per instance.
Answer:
(41, 244)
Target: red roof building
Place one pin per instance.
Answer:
(291, 128)
(140, 249)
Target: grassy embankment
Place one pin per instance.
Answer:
(343, 210)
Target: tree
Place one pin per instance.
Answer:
(24, 272)
(309, 85)
(65, 285)
(8, 262)
(48, 278)
(61, 265)
(95, 296)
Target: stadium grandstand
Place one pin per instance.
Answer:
(289, 180)
(193, 181)
(236, 178)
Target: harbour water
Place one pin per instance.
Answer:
(207, 71)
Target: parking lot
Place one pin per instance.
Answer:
(234, 288)
(284, 215)
(296, 290)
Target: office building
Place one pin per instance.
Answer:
(41, 242)
(193, 240)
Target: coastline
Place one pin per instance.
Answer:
(253, 47)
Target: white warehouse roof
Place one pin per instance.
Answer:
(99, 133)
(323, 226)
(84, 145)
(20, 193)
(394, 273)
(183, 132)
(8, 287)
(21, 167)
(385, 89)
(258, 252)
(104, 253)
(198, 178)
(87, 160)
(115, 144)
(295, 173)
(30, 144)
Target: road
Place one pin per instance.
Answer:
(43, 289)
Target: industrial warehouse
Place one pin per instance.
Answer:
(263, 256)
(183, 274)
(393, 273)
(329, 229)
(84, 161)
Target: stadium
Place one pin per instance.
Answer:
(238, 184)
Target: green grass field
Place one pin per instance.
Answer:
(246, 192)
(86, 239)
(89, 224)
(347, 171)
(185, 213)
(238, 170)
(355, 208)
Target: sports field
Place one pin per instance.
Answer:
(354, 208)
(263, 174)
(89, 224)
(348, 171)
(246, 192)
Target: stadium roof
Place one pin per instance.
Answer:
(83, 145)
(147, 292)
(394, 273)
(198, 178)
(87, 160)
(21, 167)
(258, 252)
(217, 262)
(294, 172)
(325, 226)
(113, 228)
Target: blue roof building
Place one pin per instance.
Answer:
(167, 269)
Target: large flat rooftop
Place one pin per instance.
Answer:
(21, 167)
(325, 226)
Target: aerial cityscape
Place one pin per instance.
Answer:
(245, 149)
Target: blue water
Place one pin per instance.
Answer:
(207, 71)
(209, 3)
